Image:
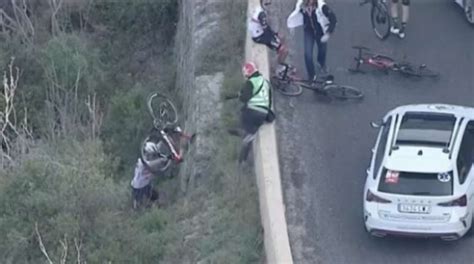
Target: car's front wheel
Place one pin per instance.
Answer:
(469, 10)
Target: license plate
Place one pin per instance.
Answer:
(414, 208)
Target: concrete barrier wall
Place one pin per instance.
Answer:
(267, 170)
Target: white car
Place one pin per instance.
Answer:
(468, 6)
(421, 180)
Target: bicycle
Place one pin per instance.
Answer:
(285, 84)
(385, 64)
(323, 85)
(380, 17)
(164, 146)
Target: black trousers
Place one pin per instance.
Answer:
(252, 119)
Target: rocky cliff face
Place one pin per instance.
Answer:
(199, 23)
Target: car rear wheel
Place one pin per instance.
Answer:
(469, 10)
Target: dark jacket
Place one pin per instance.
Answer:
(246, 92)
(310, 21)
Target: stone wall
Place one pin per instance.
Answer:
(199, 19)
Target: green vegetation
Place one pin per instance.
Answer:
(70, 141)
(71, 117)
(219, 222)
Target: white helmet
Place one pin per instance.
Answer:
(151, 147)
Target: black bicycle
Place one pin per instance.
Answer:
(380, 17)
(285, 83)
(323, 85)
(165, 143)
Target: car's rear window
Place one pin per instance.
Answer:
(415, 183)
(432, 129)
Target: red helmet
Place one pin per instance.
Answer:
(249, 69)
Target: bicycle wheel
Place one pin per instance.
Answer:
(342, 92)
(420, 71)
(469, 11)
(153, 158)
(162, 110)
(380, 19)
(286, 87)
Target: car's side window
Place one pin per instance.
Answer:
(381, 145)
(466, 153)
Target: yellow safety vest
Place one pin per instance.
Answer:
(260, 100)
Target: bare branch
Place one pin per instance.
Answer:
(95, 113)
(22, 21)
(55, 6)
(64, 244)
(78, 249)
(40, 241)
(10, 130)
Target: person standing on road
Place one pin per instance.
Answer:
(319, 22)
(396, 28)
(257, 109)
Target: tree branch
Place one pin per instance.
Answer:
(40, 241)
(78, 249)
(64, 244)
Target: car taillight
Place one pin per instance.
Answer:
(461, 201)
(370, 197)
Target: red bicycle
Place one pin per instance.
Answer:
(385, 64)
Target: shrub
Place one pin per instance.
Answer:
(125, 126)
(62, 195)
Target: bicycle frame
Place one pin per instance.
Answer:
(317, 85)
(378, 61)
(176, 155)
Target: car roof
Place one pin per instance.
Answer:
(456, 110)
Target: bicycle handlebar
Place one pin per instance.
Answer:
(364, 2)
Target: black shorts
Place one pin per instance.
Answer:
(145, 193)
(269, 38)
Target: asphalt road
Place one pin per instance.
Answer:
(325, 147)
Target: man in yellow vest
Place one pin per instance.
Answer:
(257, 109)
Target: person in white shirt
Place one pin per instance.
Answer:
(142, 190)
(318, 22)
(262, 33)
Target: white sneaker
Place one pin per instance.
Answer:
(394, 30)
(401, 33)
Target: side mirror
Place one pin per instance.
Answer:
(375, 125)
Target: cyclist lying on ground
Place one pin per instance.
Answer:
(262, 33)
(257, 99)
